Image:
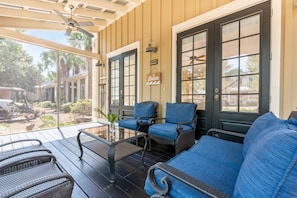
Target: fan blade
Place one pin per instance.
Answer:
(85, 32)
(62, 16)
(85, 23)
(68, 31)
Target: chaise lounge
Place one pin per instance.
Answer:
(265, 165)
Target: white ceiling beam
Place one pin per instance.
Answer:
(32, 24)
(46, 44)
(23, 14)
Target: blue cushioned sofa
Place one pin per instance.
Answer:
(265, 165)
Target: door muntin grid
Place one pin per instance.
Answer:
(240, 65)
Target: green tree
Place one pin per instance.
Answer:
(16, 66)
(82, 41)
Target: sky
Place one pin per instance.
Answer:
(35, 51)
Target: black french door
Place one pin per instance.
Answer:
(223, 67)
(123, 83)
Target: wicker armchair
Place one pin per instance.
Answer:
(23, 157)
(43, 180)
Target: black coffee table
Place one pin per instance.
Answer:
(112, 146)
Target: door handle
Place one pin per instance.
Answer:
(216, 97)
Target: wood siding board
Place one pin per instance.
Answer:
(138, 23)
(205, 6)
(146, 35)
(118, 34)
(165, 55)
(124, 31)
(113, 39)
(190, 9)
(178, 11)
(156, 32)
(108, 40)
(131, 27)
(288, 97)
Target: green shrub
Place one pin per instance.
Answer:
(47, 121)
(66, 107)
(46, 104)
(82, 107)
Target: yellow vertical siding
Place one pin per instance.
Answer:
(288, 97)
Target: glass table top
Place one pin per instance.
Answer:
(120, 134)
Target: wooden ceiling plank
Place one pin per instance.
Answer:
(104, 5)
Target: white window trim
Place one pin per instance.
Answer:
(226, 10)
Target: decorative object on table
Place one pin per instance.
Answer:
(111, 118)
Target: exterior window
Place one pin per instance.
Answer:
(193, 71)
(240, 65)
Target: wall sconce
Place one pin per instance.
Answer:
(151, 49)
(99, 64)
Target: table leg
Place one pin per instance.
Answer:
(111, 152)
(144, 149)
(79, 145)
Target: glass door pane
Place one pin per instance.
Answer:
(193, 69)
(240, 65)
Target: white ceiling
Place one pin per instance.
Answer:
(39, 14)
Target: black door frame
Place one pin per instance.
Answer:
(209, 118)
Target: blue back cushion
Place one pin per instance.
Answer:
(270, 167)
(259, 125)
(180, 112)
(144, 109)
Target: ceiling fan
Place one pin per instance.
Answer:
(74, 24)
(197, 58)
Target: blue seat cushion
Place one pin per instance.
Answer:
(261, 124)
(129, 123)
(270, 167)
(180, 112)
(144, 109)
(217, 175)
(225, 152)
(166, 130)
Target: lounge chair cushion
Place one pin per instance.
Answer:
(270, 166)
(167, 130)
(180, 112)
(144, 109)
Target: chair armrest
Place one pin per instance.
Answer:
(177, 174)
(139, 119)
(24, 159)
(179, 126)
(36, 182)
(18, 141)
(214, 132)
(153, 120)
